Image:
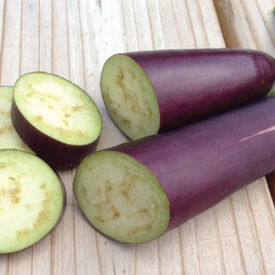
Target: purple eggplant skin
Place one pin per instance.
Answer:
(194, 84)
(201, 164)
(57, 154)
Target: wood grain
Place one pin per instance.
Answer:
(248, 23)
(73, 39)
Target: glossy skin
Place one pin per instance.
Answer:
(55, 153)
(201, 164)
(194, 84)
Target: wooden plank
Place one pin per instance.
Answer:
(61, 65)
(148, 258)
(247, 23)
(4, 260)
(248, 239)
(264, 221)
(110, 39)
(233, 260)
(87, 253)
(30, 37)
(84, 237)
(2, 22)
(63, 257)
(29, 61)
(170, 30)
(63, 243)
(211, 260)
(21, 263)
(41, 261)
(45, 36)
(191, 261)
(11, 48)
(142, 25)
(42, 251)
(102, 36)
(11, 43)
(170, 253)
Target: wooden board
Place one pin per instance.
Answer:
(248, 23)
(73, 39)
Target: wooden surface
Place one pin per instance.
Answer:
(73, 39)
(248, 23)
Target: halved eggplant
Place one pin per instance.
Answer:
(136, 191)
(57, 119)
(155, 91)
(32, 200)
(9, 138)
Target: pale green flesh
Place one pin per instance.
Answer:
(129, 97)
(31, 200)
(121, 197)
(57, 108)
(9, 139)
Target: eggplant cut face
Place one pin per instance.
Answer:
(129, 97)
(32, 200)
(121, 198)
(57, 108)
(9, 138)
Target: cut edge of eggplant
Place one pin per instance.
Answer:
(9, 137)
(130, 97)
(22, 212)
(55, 106)
(121, 198)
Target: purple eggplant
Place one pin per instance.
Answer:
(55, 118)
(136, 191)
(151, 92)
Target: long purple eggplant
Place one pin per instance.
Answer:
(155, 91)
(138, 190)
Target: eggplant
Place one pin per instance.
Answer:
(156, 91)
(9, 137)
(138, 190)
(55, 118)
(32, 200)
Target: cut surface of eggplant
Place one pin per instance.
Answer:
(9, 138)
(121, 197)
(57, 108)
(129, 95)
(32, 200)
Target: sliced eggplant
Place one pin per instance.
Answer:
(9, 139)
(57, 119)
(32, 200)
